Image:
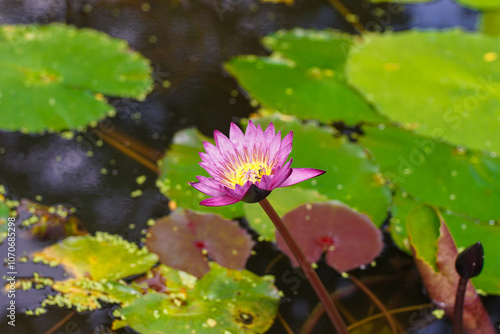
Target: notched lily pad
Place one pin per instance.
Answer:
(184, 240)
(102, 257)
(348, 238)
(223, 301)
(435, 261)
(65, 72)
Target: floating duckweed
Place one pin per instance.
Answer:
(136, 193)
(438, 313)
(141, 179)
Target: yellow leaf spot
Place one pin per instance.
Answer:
(391, 67)
(490, 56)
(211, 322)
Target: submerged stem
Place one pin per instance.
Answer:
(306, 267)
(459, 306)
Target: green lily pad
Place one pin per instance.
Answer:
(304, 77)
(282, 200)
(480, 4)
(465, 231)
(324, 49)
(222, 301)
(180, 166)
(101, 258)
(65, 72)
(350, 178)
(466, 182)
(441, 84)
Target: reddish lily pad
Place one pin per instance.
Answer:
(184, 239)
(349, 238)
(435, 261)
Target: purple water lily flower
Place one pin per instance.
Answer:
(247, 167)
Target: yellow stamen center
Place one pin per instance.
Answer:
(245, 171)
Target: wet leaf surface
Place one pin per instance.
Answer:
(297, 82)
(185, 240)
(104, 257)
(65, 72)
(435, 261)
(440, 84)
(348, 238)
(466, 182)
(223, 300)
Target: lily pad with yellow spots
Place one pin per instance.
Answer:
(102, 257)
(441, 84)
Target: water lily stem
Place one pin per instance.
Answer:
(306, 267)
(459, 306)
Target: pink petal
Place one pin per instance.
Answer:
(207, 188)
(224, 145)
(273, 148)
(211, 169)
(301, 174)
(281, 175)
(269, 133)
(214, 153)
(239, 190)
(285, 149)
(236, 136)
(219, 201)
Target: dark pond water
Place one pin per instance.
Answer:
(191, 39)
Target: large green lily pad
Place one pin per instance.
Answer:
(304, 77)
(351, 177)
(442, 84)
(180, 166)
(222, 301)
(54, 76)
(466, 182)
(104, 257)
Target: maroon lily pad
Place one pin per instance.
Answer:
(186, 240)
(348, 238)
(439, 274)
